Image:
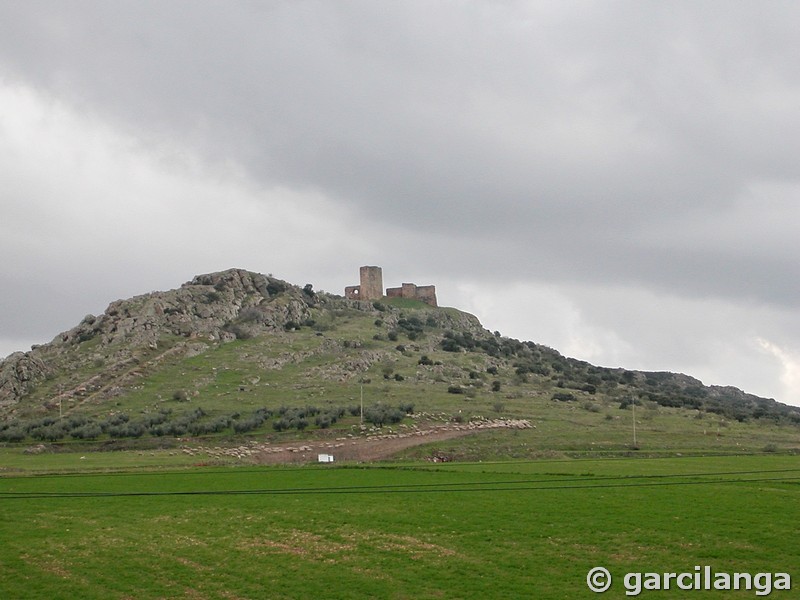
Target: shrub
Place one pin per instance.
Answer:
(450, 345)
(246, 425)
(455, 389)
(12, 434)
(275, 287)
(407, 407)
(49, 433)
(628, 401)
(379, 414)
(496, 385)
(87, 432)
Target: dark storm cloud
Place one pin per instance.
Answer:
(481, 119)
(648, 145)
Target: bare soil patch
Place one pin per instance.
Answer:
(364, 447)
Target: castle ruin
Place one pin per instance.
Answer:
(371, 288)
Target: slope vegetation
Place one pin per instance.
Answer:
(238, 355)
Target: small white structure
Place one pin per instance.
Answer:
(325, 458)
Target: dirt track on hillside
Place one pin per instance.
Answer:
(358, 449)
(368, 446)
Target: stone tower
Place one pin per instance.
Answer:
(371, 283)
(371, 287)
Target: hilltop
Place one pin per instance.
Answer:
(236, 355)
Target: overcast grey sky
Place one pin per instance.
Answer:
(617, 180)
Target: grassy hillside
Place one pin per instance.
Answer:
(235, 356)
(234, 366)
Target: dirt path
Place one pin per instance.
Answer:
(358, 449)
(374, 445)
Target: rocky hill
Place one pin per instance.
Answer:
(212, 308)
(238, 352)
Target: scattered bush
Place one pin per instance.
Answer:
(275, 287)
(12, 434)
(379, 414)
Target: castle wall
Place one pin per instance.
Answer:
(352, 292)
(424, 293)
(371, 288)
(427, 293)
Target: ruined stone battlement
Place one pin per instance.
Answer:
(425, 293)
(371, 288)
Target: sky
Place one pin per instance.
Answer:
(619, 180)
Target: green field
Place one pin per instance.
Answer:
(524, 529)
(123, 471)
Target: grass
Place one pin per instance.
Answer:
(478, 530)
(326, 365)
(149, 522)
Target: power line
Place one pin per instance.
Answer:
(456, 487)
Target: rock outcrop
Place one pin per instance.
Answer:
(213, 307)
(19, 373)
